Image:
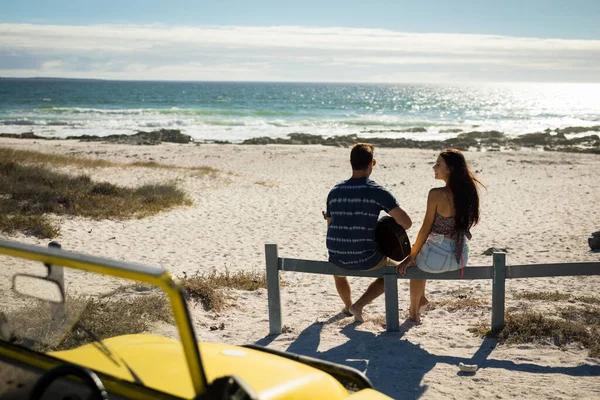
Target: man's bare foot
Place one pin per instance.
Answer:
(357, 313)
(346, 312)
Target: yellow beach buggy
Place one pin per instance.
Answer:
(57, 341)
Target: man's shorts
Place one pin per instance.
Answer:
(385, 261)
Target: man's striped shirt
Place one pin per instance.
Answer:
(354, 206)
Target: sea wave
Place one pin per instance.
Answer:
(168, 111)
(83, 110)
(31, 122)
(23, 121)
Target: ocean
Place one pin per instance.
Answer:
(235, 111)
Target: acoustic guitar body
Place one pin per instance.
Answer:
(392, 238)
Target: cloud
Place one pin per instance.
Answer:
(287, 53)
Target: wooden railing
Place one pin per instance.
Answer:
(498, 272)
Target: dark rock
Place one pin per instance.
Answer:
(140, 138)
(454, 130)
(219, 327)
(482, 135)
(461, 143)
(305, 138)
(586, 140)
(541, 139)
(533, 139)
(414, 130)
(24, 135)
(259, 140)
(490, 251)
(579, 129)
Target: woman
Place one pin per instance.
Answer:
(452, 210)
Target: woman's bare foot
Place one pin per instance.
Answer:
(423, 304)
(356, 312)
(346, 311)
(415, 318)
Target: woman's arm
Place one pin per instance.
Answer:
(427, 224)
(423, 232)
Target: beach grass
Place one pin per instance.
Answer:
(555, 296)
(60, 160)
(265, 183)
(28, 194)
(574, 325)
(588, 299)
(103, 318)
(463, 291)
(545, 296)
(125, 310)
(458, 304)
(38, 157)
(204, 288)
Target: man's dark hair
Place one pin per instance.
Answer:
(361, 155)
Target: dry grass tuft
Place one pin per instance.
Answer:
(577, 326)
(460, 291)
(28, 193)
(379, 320)
(556, 296)
(241, 280)
(585, 315)
(458, 304)
(204, 287)
(37, 157)
(545, 296)
(104, 318)
(265, 183)
(197, 170)
(588, 299)
(201, 290)
(34, 225)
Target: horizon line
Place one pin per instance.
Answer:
(302, 82)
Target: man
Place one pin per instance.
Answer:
(353, 208)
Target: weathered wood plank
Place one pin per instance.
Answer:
(546, 270)
(326, 268)
(498, 291)
(392, 322)
(273, 293)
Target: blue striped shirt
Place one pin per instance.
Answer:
(354, 206)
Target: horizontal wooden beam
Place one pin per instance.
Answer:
(327, 268)
(547, 270)
(474, 272)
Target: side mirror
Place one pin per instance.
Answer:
(38, 287)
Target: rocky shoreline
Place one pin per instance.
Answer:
(549, 140)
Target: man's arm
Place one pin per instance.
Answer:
(401, 217)
(328, 219)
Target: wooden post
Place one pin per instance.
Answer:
(498, 291)
(273, 294)
(56, 273)
(392, 322)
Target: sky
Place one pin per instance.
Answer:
(303, 41)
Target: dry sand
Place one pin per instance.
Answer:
(540, 206)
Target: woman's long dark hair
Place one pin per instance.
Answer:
(463, 184)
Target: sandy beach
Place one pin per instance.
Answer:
(540, 206)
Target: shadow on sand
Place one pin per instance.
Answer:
(396, 366)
